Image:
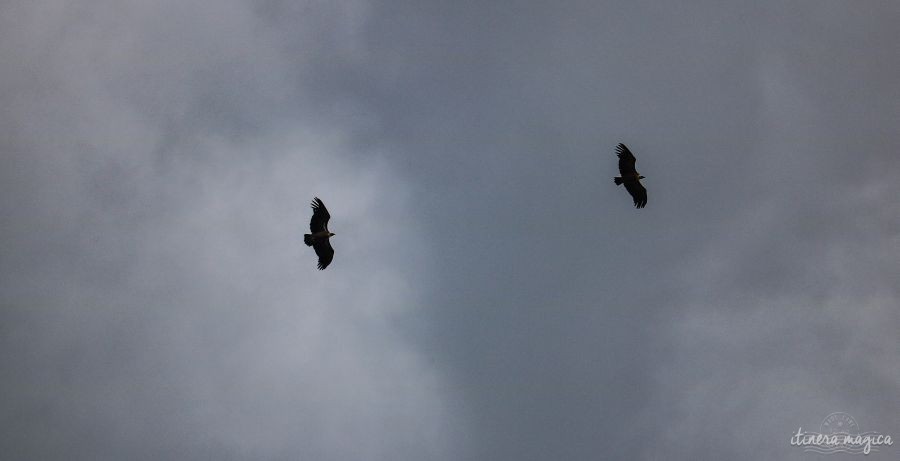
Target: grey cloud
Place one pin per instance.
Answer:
(157, 302)
(158, 161)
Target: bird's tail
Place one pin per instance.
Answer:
(618, 180)
(307, 239)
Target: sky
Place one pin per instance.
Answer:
(494, 296)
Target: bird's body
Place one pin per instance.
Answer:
(319, 238)
(630, 178)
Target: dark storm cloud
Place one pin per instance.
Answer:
(159, 159)
(750, 298)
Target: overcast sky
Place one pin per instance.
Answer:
(494, 296)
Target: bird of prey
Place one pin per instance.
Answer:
(319, 238)
(630, 177)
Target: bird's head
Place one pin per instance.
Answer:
(331, 234)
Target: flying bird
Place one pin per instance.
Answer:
(630, 177)
(319, 238)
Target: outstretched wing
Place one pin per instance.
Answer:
(638, 193)
(626, 161)
(324, 252)
(320, 217)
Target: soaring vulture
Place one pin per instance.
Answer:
(630, 177)
(319, 238)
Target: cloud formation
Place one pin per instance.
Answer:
(156, 299)
(158, 160)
